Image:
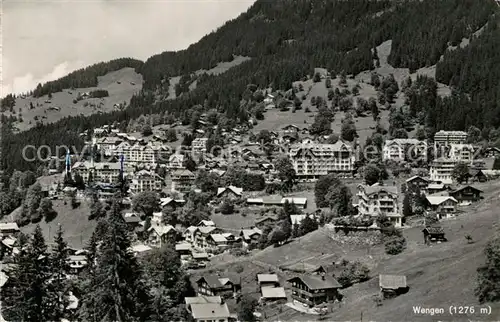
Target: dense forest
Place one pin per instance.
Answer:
(85, 77)
(286, 40)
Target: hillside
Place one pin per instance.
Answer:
(121, 85)
(438, 276)
(286, 40)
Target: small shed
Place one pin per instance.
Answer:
(392, 285)
(433, 234)
(273, 294)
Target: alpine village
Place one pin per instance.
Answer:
(309, 160)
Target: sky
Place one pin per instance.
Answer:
(43, 40)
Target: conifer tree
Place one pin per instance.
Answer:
(27, 296)
(117, 291)
(60, 269)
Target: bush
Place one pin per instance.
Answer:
(353, 273)
(227, 207)
(395, 245)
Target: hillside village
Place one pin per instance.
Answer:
(188, 188)
(256, 190)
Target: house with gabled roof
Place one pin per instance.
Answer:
(158, 235)
(213, 285)
(417, 182)
(392, 285)
(441, 204)
(230, 192)
(268, 280)
(190, 300)
(201, 234)
(250, 237)
(466, 194)
(211, 312)
(313, 290)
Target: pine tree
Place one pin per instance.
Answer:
(27, 296)
(116, 290)
(60, 269)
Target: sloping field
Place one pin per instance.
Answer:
(121, 85)
(75, 224)
(438, 276)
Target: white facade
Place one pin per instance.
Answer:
(199, 146)
(311, 160)
(106, 172)
(450, 137)
(462, 152)
(404, 149)
(379, 200)
(145, 181)
(441, 170)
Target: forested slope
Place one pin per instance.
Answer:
(287, 39)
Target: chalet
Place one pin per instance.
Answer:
(477, 175)
(273, 294)
(201, 234)
(213, 285)
(441, 204)
(77, 263)
(206, 223)
(417, 182)
(188, 234)
(268, 280)
(221, 241)
(159, 235)
(183, 249)
(206, 312)
(433, 233)
(433, 188)
(201, 300)
(491, 152)
(131, 219)
(140, 249)
(8, 245)
(290, 129)
(466, 194)
(199, 257)
(250, 237)
(230, 192)
(392, 285)
(262, 222)
(314, 290)
(9, 229)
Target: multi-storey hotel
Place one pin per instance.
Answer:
(379, 200)
(311, 160)
(462, 153)
(106, 172)
(145, 181)
(199, 146)
(142, 154)
(404, 150)
(441, 170)
(450, 137)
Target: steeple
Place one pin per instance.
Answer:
(68, 162)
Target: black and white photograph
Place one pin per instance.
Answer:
(249, 160)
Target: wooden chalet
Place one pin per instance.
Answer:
(214, 285)
(314, 290)
(433, 234)
(392, 285)
(466, 194)
(417, 182)
(268, 280)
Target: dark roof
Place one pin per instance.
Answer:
(265, 218)
(317, 283)
(215, 281)
(460, 189)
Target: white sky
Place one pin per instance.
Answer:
(44, 40)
